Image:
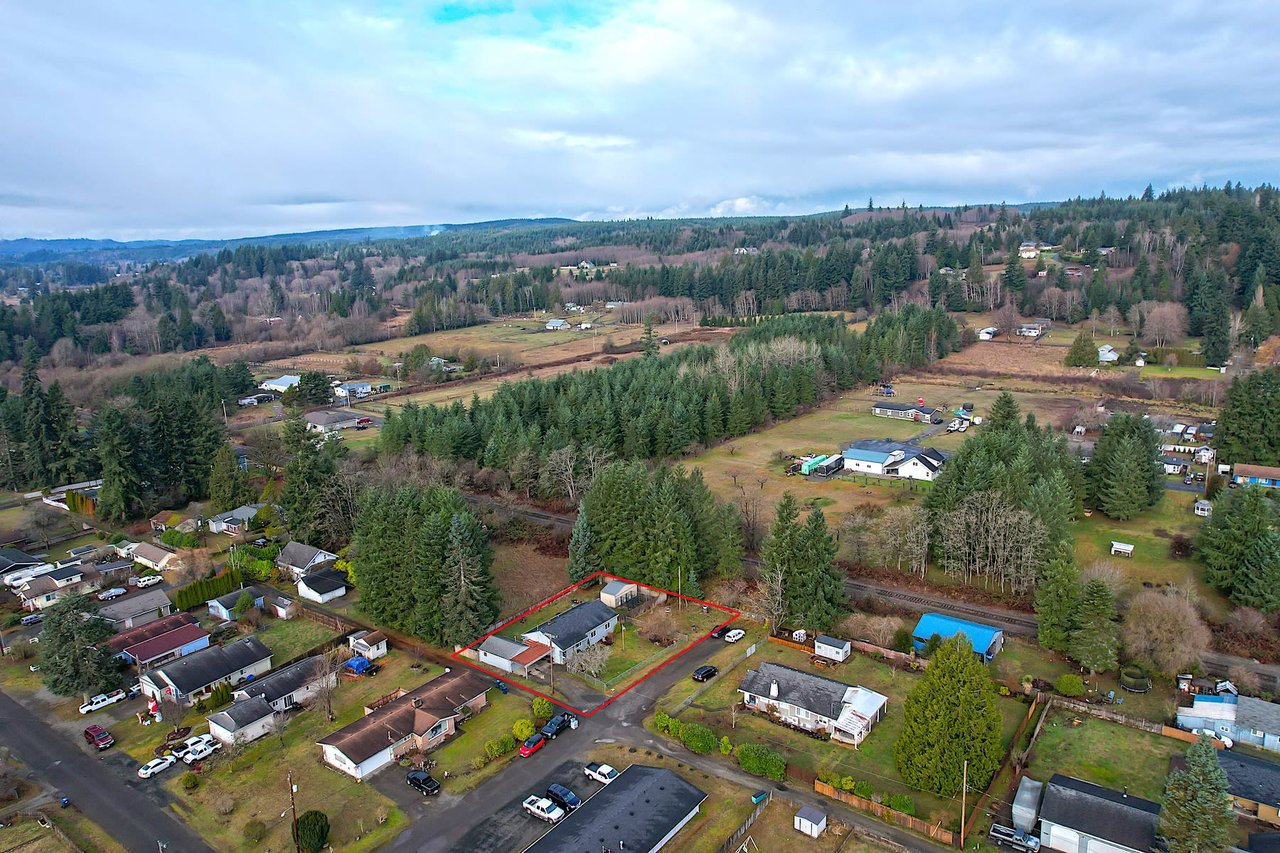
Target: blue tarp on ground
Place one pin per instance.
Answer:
(985, 639)
(358, 665)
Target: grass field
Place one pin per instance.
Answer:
(493, 722)
(1149, 534)
(1103, 753)
(1159, 371)
(525, 576)
(289, 638)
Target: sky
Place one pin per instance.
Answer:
(231, 118)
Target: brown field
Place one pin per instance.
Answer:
(525, 576)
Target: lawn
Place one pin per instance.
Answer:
(493, 722)
(254, 784)
(30, 837)
(872, 761)
(84, 833)
(1160, 371)
(289, 638)
(1103, 753)
(776, 828)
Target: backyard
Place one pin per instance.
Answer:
(289, 638)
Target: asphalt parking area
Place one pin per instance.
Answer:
(509, 827)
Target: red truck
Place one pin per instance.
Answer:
(98, 737)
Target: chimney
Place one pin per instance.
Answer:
(773, 690)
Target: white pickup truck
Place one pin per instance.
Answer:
(602, 773)
(543, 809)
(102, 700)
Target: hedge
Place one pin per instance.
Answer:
(698, 738)
(759, 760)
(198, 592)
(1069, 685)
(179, 539)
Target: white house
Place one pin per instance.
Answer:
(510, 656)
(557, 325)
(578, 628)
(616, 593)
(358, 389)
(282, 384)
(155, 557)
(988, 333)
(907, 412)
(46, 589)
(370, 645)
(1029, 330)
(329, 421)
(1029, 250)
(259, 701)
(193, 677)
(234, 522)
(298, 559)
(323, 586)
(1107, 354)
(812, 702)
(884, 458)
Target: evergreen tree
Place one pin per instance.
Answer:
(1196, 815)
(1015, 276)
(119, 454)
(1216, 345)
(781, 551)
(311, 473)
(1095, 642)
(1123, 489)
(1057, 597)
(975, 276)
(1111, 467)
(1004, 413)
(1247, 429)
(470, 601)
(670, 549)
(1052, 500)
(229, 486)
(817, 592)
(72, 659)
(1259, 574)
(1083, 352)
(1241, 517)
(648, 343)
(950, 718)
(583, 561)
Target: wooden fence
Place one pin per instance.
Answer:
(746, 824)
(988, 794)
(865, 648)
(934, 831)
(1110, 715)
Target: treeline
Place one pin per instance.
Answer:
(1248, 430)
(422, 563)
(32, 328)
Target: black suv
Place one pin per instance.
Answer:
(421, 780)
(721, 631)
(557, 724)
(705, 673)
(563, 797)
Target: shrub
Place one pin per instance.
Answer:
(901, 803)
(902, 641)
(725, 746)
(1069, 685)
(313, 831)
(862, 788)
(661, 720)
(542, 710)
(178, 539)
(522, 729)
(189, 781)
(931, 645)
(478, 762)
(254, 831)
(1180, 546)
(220, 696)
(759, 760)
(508, 742)
(697, 738)
(492, 748)
(225, 806)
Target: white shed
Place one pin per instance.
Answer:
(617, 593)
(832, 648)
(811, 822)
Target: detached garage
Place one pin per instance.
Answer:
(1080, 817)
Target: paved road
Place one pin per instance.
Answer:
(126, 814)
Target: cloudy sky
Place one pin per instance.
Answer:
(230, 117)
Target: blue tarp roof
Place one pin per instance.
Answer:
(980, 636)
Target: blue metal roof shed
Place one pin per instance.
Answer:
(985, 639)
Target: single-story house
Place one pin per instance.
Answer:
(1174, 464)
(907, 412)
(243, 722)
(155, 557)
(1029, 330)
(988, 333)
(1254, 784)
(282, 384)
(330, 421)
(418, 719)
(292, 685)
(1256, 475)
(1244, 719)
(1029, 250)
(193, 677)
(1107, 354)
(617, 593)
(298, 559)
(370, 645)
(323, 586)
(885, 458)
(985, 639)
(578, 628)
(358, 389)
(1203, 508)
(158, 642)
(641, 810)
(147, 606)
(812, 702)
(44, 590)
(109, 569)
(1080, 817)
(173, 520)
(510, 656)
(223, 607)
(557, 325)
(233, 522)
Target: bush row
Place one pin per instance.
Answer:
(756, 759)
(862, 788)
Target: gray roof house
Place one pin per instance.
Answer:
(298, 559)
(577, 628)
(194, 676)
(1254, 784)
(234, 521)
(811, 702)
(243, 722)
(1076, 816)
(641, 810)
(137, 609)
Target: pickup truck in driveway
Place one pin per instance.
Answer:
(98, 737)
(559, 723)
(602, 773)
(543, 809)
(102, 700)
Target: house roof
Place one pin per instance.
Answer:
(206, 666)
(228, 602)
(980, 636)
(298, 555)
(288, 380)
(616, 587)
(371, 638)
(413, 713)
(282, 682)
(814, 693)
(905, 407)
(502, 647)
(635, 811)
(832, 641)
(325, 582)
(1173, 460)
(1100, 812)
(151, 553)
(120, 611)
(328, 417)
(1265, 471)
(1247, 778)
(1257, 714)
(161, 645)
(142, 633)
(811, 814)
(240, 513)
(572, 626)
(242, 713)
(533, 652)
(12, 558)
(1264, 842)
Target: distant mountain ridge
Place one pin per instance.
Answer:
(31, 250)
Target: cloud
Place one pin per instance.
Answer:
(236, 117)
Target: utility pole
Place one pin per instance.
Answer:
(225, 421)
(964, 791)
(293, 805)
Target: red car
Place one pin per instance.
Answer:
(532, 745)
(98, 737)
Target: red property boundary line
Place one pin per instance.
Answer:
(458, 655)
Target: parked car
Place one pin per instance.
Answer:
(543, 809)
(98, 737)
(1188, 480)
(602, 773)
(156, 765)
(964, 426)
(202, 751)
(133, 690)
(422, 782)
(1212, 735)
(953, 425)
(720, 632)
(1009, 837)
(114, 592)
(563, 797)
(190, 744)
(102, 700)
(364, 423)
(532, 745)
(705, 673)
(559, 723)
(32, 618)
(149, 580)
(735, 635)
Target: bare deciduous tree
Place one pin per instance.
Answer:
(1164, 630)
(328, 665)
(1106, 571)
(1111, 319)
(1164, 323)
(590, 660)
(986, 538)
(769, 600)
(1007, 318)
(562, 468)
